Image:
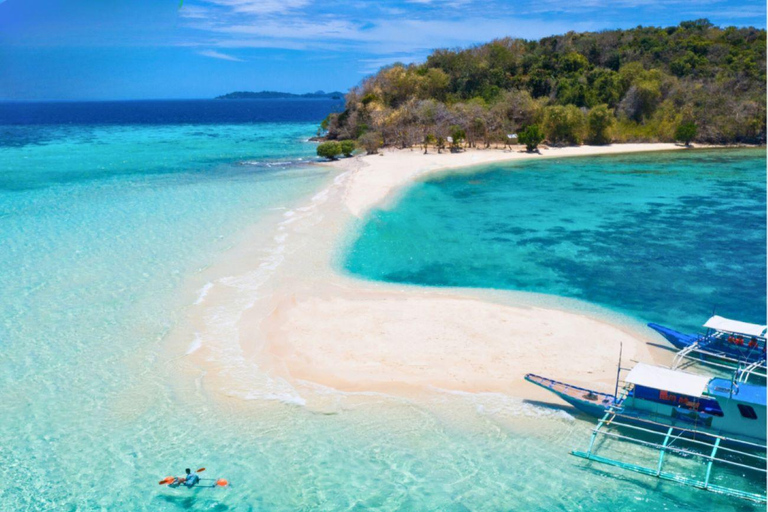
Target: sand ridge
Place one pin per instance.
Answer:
(303, 320)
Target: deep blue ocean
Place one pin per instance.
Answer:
(159, 112)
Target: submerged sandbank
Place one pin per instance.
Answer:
(281, 317)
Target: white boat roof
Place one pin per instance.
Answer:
(719, 323)
(664, 379)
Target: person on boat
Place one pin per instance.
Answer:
(189, 480)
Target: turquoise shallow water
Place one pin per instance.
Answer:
(101, 226)
(664, 237)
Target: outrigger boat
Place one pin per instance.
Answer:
(727, 344)
(718, 421)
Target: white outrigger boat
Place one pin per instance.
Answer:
(714, 420)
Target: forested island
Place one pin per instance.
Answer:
(273, 95)
(690, 82)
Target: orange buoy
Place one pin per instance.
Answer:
(221, 482)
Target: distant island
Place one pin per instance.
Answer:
(272, 95)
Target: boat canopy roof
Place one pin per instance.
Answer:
(749, 393)
(719, 323)
(664, 379)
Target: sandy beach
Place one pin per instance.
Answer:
(277, 319)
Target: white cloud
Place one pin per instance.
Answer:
(382, 34)
(218, 55)
(261, 6)
(388, 36)
(374, 64)
(441, 3)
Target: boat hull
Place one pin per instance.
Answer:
(678, 339)
(587, 401)
(715, 347)
(597, 404)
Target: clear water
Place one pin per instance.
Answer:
(101, 223)
(664, 237)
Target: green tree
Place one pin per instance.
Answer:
(573, 62)
(325, 122)
(428, 139)
(371, 141)
(531, 136)
(641, 100)
(686, 132)
(599, 124)
(348, 147)
(329, 150)
(458, 135)
(563, 125)
(435, 84)
(606, 85)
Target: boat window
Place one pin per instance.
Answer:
(747, 411)
(710, 406)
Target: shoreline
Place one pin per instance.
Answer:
(394, 169)
(277, 318)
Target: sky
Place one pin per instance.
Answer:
(142, 49)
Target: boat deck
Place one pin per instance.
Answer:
(575, 392)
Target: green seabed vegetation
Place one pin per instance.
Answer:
(692, 82)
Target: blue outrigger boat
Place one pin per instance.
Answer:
(718, 421)
(727, 344)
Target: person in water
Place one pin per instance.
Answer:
(189, 480)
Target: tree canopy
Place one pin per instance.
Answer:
(628, 85)
(329, 150)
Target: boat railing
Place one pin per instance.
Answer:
(711, 445)
(696, 354)
(753, 369)
(681, 434)
(692, 431)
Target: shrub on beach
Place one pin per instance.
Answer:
(685, 133)
(458, 136)
(563, 125)
(531, 136)
(599, 124)
(329, 150)
(428, 139)
(371, 141)
(348, 147)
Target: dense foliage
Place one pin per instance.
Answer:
(624, 85)
(348, 147)
(685, 133)
(531, 136)
(330, 150)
